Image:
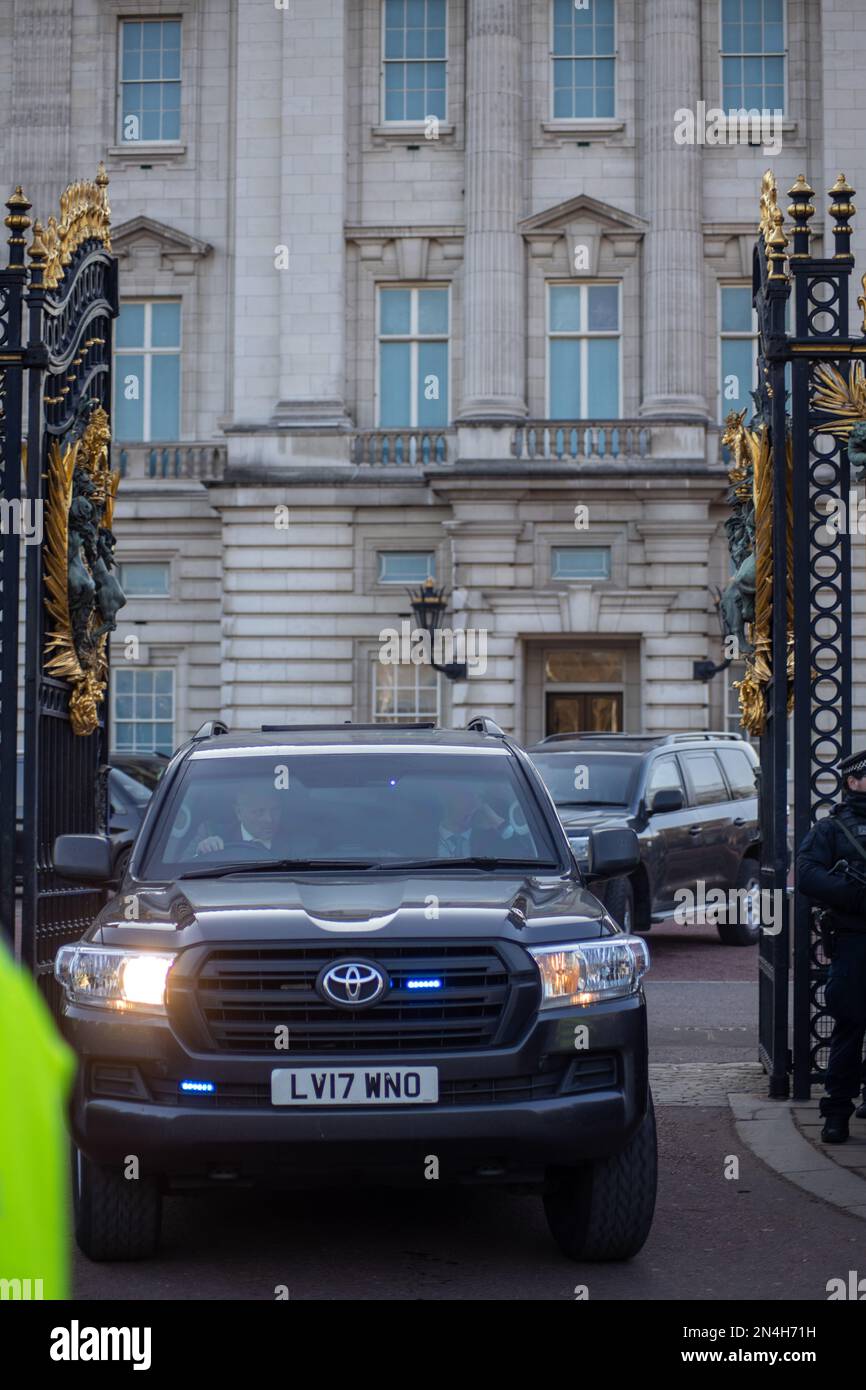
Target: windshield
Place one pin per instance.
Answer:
(577, 778)
(366, 807)
(124, 785)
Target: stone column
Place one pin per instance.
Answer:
(494, 310)
(673, 274)
(312, 178)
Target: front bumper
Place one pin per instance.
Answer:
(504, 1113)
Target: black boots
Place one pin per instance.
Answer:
(835, 1129)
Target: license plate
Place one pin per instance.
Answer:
(355, 1086)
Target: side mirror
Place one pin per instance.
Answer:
(612, 853)
(84, 858)
(668, 799)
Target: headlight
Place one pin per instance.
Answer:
(113, 977)
(580, 847)
(591, 971)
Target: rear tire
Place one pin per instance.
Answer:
(116, 1218)
(619, 901)
(747, 932)
(604, 1211)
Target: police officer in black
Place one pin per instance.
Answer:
(822, 878)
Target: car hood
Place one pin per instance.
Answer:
(354, 907)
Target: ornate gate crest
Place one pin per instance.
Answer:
(82, 595)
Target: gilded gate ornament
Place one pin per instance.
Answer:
(83, 595)
(747, 602)
(843, 400)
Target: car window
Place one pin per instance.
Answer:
(578, 778)
(705, 776)
(664, 776)
(367, 805)
(740, 771)
(124, 789)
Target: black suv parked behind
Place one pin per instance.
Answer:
(692, 800)
(343, 951)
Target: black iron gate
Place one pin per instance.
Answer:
(799, 467)
(60, 312)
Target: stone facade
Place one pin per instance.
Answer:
(284, 208)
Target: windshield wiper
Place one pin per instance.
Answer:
(258, 866)
(590, 805)
(475, 861)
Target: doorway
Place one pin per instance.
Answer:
(598, 712)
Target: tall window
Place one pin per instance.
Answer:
(149, 104)
(143, 709)
(753, 55)
(583, 352)
(404, 694)
(414, 65)
(147, 371)
(413, 358)
(739, 337)
(583, 58)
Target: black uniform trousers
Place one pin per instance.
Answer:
(845, 997)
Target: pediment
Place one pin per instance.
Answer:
(144, 235)
(583, 209)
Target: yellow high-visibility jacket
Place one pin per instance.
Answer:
(36, 1072)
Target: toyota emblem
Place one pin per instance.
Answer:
(352, 984)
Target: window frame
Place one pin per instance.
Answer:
(729, 335)
(687, 757)
(148, 352)
(655, 763)
(124, 565)
(551, 84)
(581, 578)
(146, 18)
(723, 54)
(417, 716)
(138, 669)
(721, 754)
(392, 583)
(409, 123)
(414, 341)
(584, 337)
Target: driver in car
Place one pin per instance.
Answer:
(469, 826)
(259, 820)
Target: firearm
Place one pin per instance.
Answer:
(856, 872)
(824, 916)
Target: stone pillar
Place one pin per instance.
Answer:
(38, 117)
(494, 309)
(312, 215)
(673, 273)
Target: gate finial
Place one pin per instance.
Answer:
(840, 210)
(801, 211)
(17, 221)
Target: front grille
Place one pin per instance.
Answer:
(499, 1090)
(244, 995)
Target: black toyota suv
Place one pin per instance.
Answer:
(692, 800)
(348, 952)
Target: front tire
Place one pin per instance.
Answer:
(619, 901)
(604, 1210)
(748, 931)
(116, 1218)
